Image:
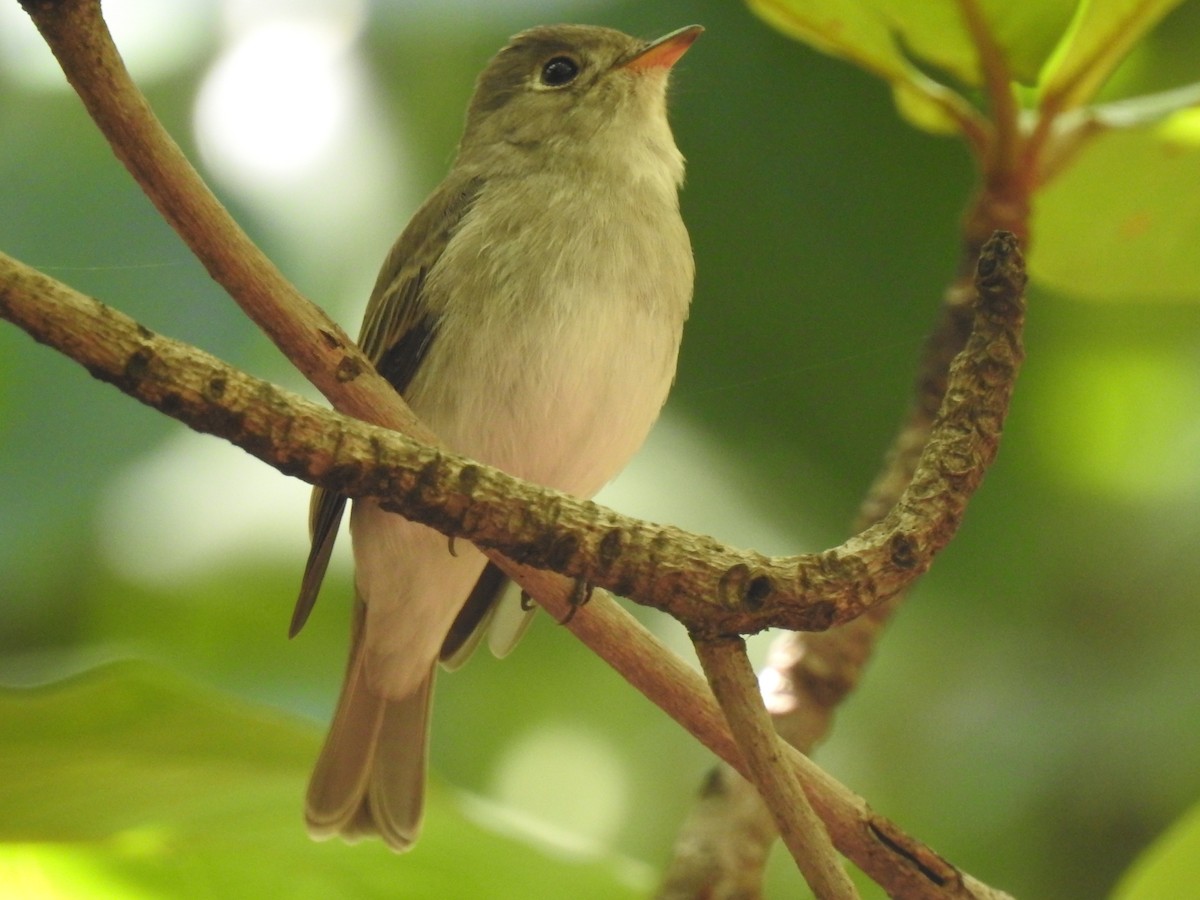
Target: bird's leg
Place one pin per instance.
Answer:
(581, 593)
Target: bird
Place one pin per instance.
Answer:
(530, 314)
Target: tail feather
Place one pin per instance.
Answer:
(395, 798)
(370, 776)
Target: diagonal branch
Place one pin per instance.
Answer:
(744, 592)
(302, 438)
(722, 846)
(712, 589)
(731, 677)
(741, 592)
(77, 34)
(723, 843)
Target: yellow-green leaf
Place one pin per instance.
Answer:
(898, 40)
(857, 33)
(1170, 868)
(1101, 35)
(934, 31)
(1123, 221)
(132, 782)
(843, 28)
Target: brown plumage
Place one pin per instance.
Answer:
(530, 314)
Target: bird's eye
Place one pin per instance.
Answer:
(559, 71)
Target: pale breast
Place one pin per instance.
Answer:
(560, 329)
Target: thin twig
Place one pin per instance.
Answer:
(1001, 158)
(732, 680)
(902, 866)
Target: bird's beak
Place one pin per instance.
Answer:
(665, 52)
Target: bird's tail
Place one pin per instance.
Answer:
(370, 776)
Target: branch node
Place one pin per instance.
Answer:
(214, 389)
(1000, 278)
(757, 591)
(609, 549)
(137, 367)
(904, 551)
(348, 369)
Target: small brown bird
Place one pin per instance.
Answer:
(531, 315)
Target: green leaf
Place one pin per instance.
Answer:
(857, 33)
(886, 36)
(1029, 32)
(883, 35)
(135, 783)
(1122, 221)
(842, 28)
(1101, 35)
(1026, 33)
(1170, 867)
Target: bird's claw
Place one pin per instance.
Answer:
(581, 593)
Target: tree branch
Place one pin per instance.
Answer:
(744, 592)
(1001, 154)
(723, 844)
(712, 589)
(304, 439)
(77, 34)
(732, 680)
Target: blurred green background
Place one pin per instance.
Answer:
(1034, 712)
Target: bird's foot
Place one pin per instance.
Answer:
(581, 593)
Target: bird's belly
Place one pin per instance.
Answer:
(564, 402)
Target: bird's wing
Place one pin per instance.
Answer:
(397, 330)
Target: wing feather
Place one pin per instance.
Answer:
(397, 331)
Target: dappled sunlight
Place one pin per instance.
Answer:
(1122, 422)
(156, 39)
(288, 119)
(56, 871)
(196, 505)
(274, 102)
(1182, 128)
(568, 781)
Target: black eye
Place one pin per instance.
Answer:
(559, 71)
